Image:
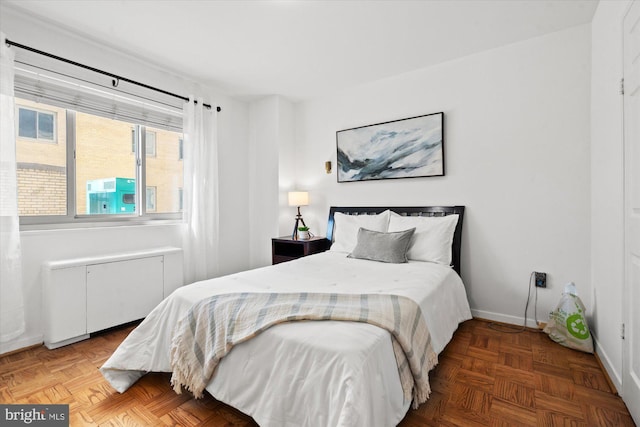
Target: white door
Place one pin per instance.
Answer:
(631, 358)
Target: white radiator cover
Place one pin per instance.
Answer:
(85, 295)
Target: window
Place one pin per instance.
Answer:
(102, 180)
(41, 169)
(36, 124)
(164, 173)
(87, 172)
(151, 199)
(151, 143)
(104, 170)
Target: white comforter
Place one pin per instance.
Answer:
(308, 373)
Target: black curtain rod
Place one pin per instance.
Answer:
(117, 78)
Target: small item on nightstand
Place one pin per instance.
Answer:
(303, 233)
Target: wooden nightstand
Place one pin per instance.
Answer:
(285, 248)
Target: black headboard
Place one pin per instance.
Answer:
(410, 211)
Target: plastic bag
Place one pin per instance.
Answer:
(567, 323)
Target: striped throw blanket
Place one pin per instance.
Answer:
(214, 325)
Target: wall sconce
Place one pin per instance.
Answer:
(327, 166)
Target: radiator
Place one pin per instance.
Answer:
(86, 295)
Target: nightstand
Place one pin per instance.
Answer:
(285, 248)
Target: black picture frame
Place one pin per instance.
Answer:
(405, 148)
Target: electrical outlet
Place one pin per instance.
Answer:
(540, 279)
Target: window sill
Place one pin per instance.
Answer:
(92, 224)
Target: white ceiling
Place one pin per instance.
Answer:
(302, 49)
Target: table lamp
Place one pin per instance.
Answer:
(298, 198)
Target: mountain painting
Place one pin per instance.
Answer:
(406, 148)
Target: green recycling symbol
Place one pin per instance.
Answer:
(577, 326)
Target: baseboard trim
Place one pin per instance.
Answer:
(20, 344)
(604, 360)
(503, 318)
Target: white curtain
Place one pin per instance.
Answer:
(200, 195)
(11, 299)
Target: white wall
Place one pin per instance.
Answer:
(41, 246)
(271, 173)
(233, 150)
(286, 167)
(517, 155)
(263, 177)
(607, 178)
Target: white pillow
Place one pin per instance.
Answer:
(345, 228)
(433, 238)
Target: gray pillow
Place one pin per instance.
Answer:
(384, 247)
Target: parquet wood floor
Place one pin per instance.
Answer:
(484, 378)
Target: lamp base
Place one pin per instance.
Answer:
(299, 220)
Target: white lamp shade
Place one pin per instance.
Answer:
(298, 198)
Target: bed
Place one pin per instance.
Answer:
(322, 373)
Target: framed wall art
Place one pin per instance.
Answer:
(406, 148)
